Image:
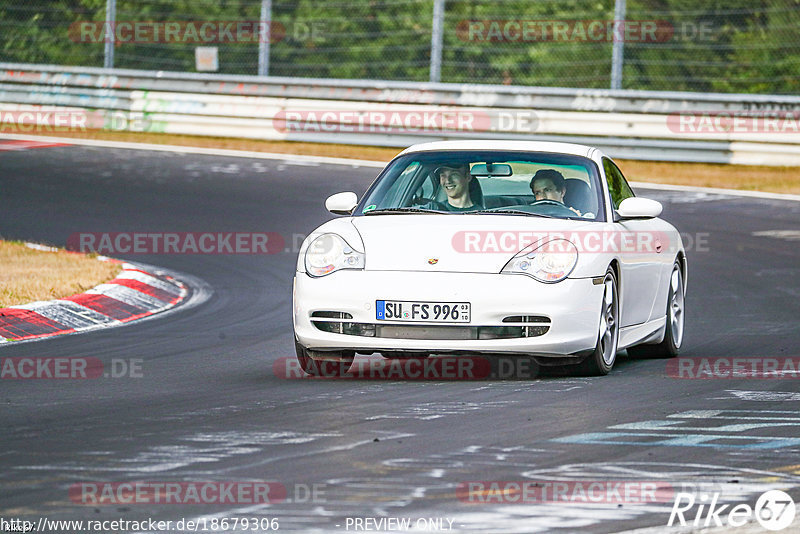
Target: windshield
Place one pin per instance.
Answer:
(457, 182)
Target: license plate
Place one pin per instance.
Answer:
(422, 312)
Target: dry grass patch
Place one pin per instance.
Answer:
(28, 275)
(756, 178)
(749, 177)
(255, 145)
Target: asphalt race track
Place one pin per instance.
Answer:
(207, 404)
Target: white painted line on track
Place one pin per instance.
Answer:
(286, 158)
(787, 235)
(718, 191)
(303, 159)
(760, 396)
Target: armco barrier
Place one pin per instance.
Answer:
(626, 124)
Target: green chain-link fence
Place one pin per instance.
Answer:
(749, 46)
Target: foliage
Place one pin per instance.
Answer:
(747, 46)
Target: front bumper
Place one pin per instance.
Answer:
(573, 307)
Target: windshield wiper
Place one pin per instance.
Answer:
(518, 212)
(400, 210)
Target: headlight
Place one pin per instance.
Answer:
(329, 253)
(549, 263)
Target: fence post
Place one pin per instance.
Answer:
(265, 34)
(111, 34)
(437, 36)
(618, 48)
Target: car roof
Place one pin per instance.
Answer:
(495, 144)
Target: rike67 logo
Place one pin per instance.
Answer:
(774, 510)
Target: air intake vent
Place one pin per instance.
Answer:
(331, 315)
(541, 319)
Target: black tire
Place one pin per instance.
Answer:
(676, 312)
(317, 363)
(601, 361)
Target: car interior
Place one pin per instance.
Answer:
(578, 192)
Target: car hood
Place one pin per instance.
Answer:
(454, 243)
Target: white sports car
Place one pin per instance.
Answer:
(492, 247)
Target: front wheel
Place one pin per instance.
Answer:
(602, 359)
(319, 363)
(673, 335)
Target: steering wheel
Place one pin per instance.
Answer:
(420, 201)
(549, 204)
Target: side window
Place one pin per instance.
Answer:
(618, 187)
(399, 188)
(424, 192)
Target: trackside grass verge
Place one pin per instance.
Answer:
(28, 275)
(746, 177)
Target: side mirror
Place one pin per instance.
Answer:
(342, 203)
(638, 208)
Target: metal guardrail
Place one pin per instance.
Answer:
(626, 124)
(396, 92)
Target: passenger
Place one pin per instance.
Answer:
(455, 179)
(549, 184)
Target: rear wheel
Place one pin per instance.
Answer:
(323, 363)
(602, 359)
(673, 335)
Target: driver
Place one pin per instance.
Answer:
(549, 184)
(455, 179)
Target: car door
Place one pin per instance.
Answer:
(640, 253)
